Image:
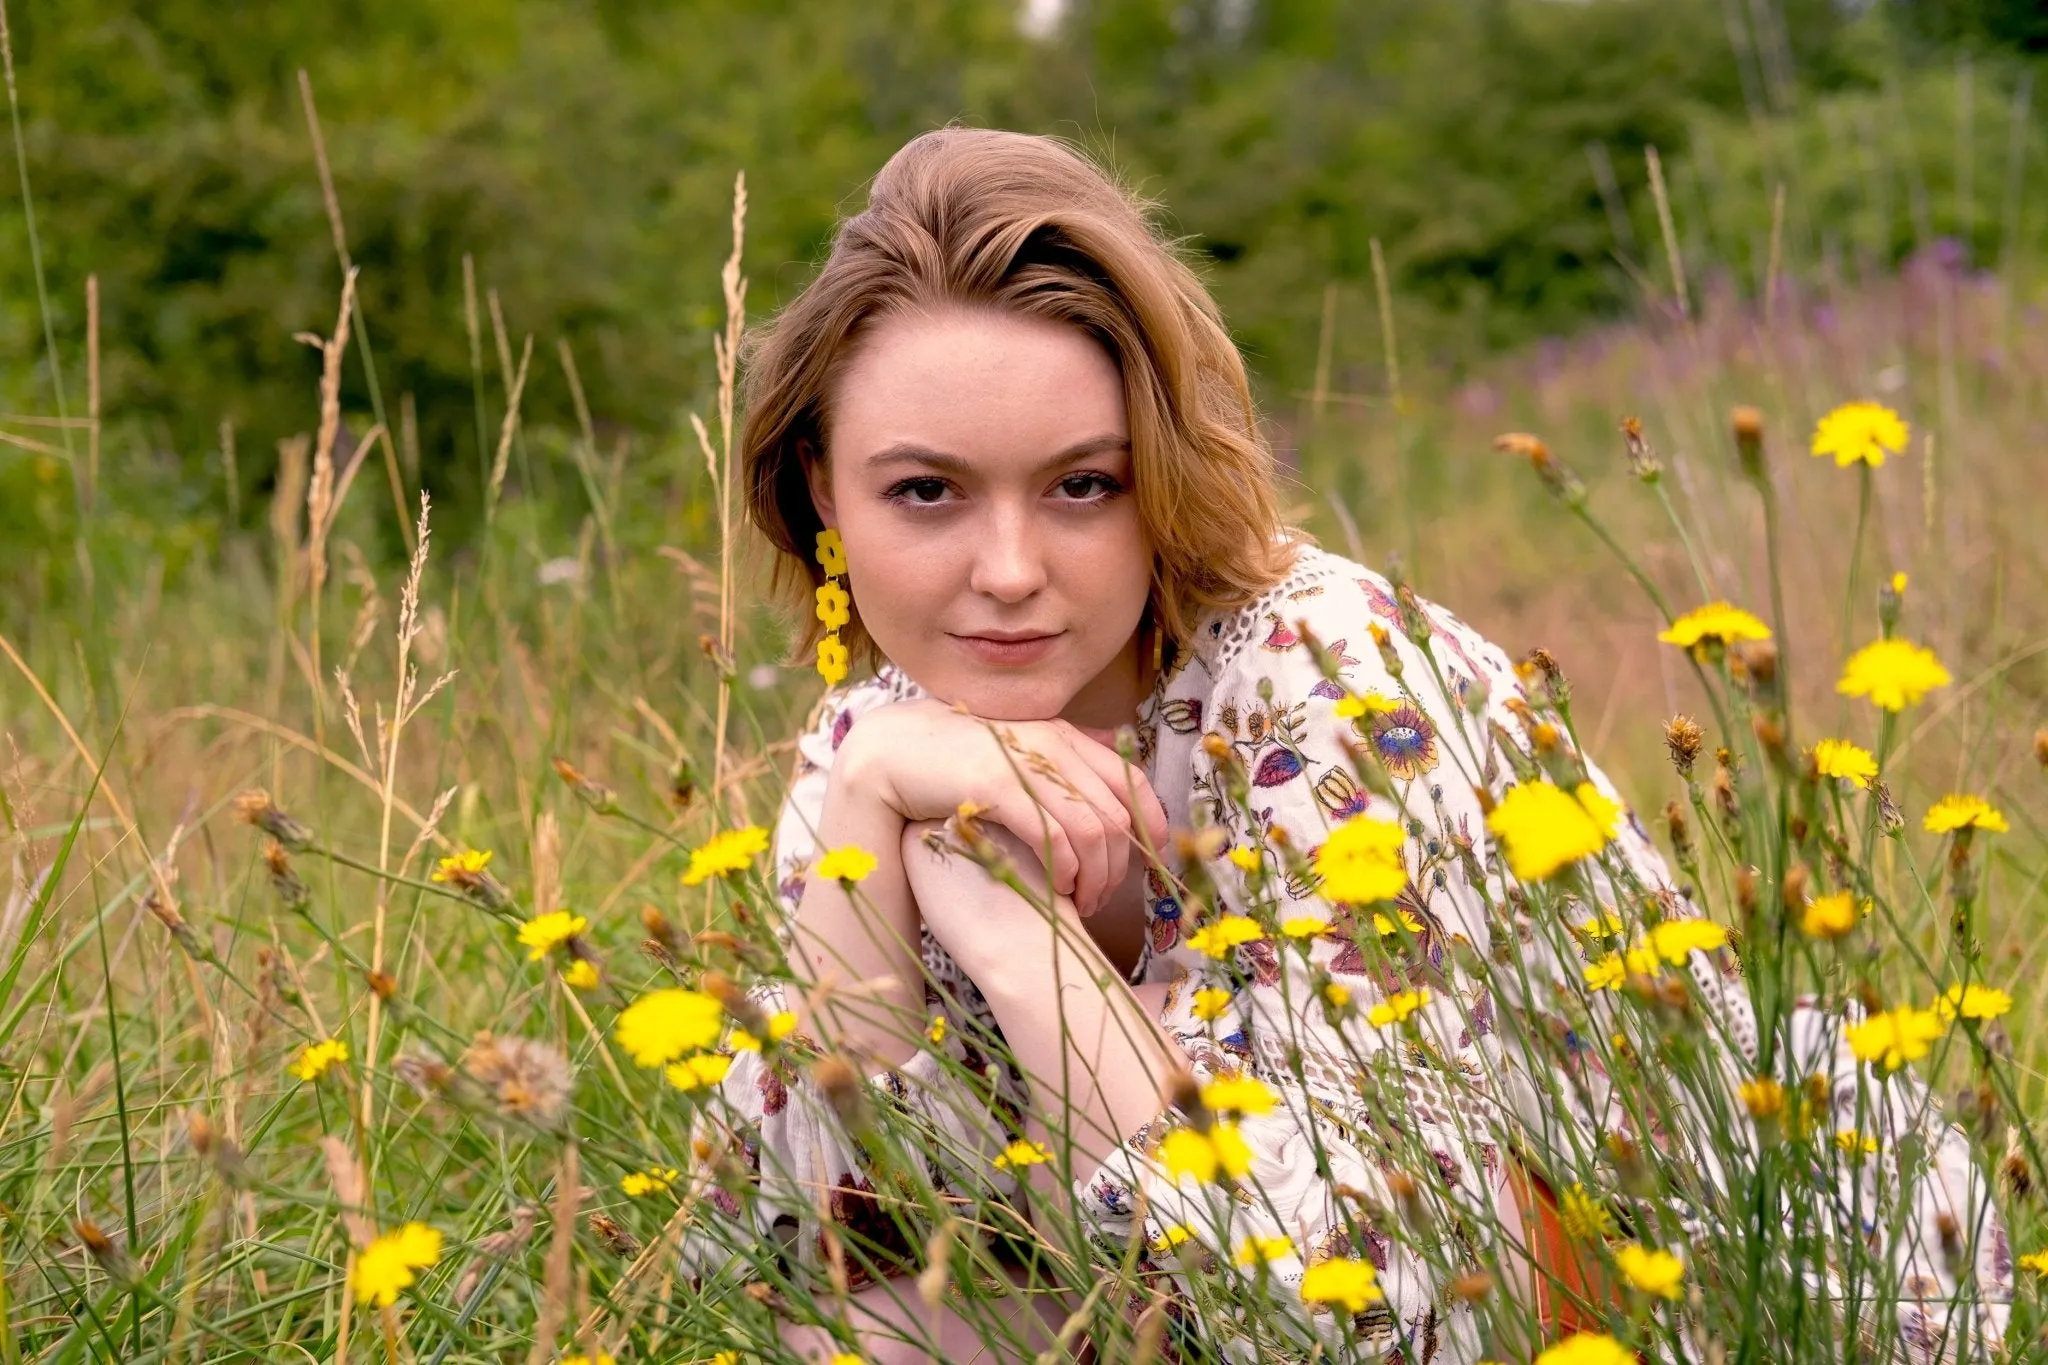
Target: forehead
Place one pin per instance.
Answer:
(977, 383)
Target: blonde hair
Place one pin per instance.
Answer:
(1030, 226)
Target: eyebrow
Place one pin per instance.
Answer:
(909, 452)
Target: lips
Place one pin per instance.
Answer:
(1008, 650)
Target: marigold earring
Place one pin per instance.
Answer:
(834, 607)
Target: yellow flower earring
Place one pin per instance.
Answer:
(834, 607)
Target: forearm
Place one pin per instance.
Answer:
(863, 944)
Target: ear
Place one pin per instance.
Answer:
(818, 476)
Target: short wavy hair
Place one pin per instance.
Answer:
(1027, 225)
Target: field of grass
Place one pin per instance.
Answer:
(164, 1188)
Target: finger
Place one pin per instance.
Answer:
(1107, 820)
(1128, 781)
(1044, 835)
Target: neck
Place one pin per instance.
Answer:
(1113, 696)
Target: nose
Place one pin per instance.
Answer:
(1008, 562)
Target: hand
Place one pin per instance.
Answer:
(1046, 781)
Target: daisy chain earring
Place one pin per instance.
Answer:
(834, 607)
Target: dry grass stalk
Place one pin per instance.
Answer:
(320, 499)
(554, 1305)
(507, 430)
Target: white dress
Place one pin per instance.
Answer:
(1491, 1064)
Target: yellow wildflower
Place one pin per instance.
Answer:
(390, 1263)
(580, 975)
(1894, 674)
(1396, 1008)
(1860, 433)
(637, 1183)
(1337, 994)
(780, 1026)
(1545, 829)
(1895, 1037)
(848, 1358)
(1606, 924)
(599, 1359)
(1219, 936)
(1022, 1153)
(1839, 758)
(1957, 811)
(1716, 623)
(935, 1031)
(1583, 1217)
(1239, 1094)
(314, 1058)
(663, 1025)
(1605, 973)
(543, 934)
(1355, 706)
(1829, 916)
(1246, 859)
(1360, 861)
(1972, 1002)
(458, 866)
(1345, 1282)
(1185, 1152)
(1211, 1001)
(1763, 1097)
(1171, 1236)
(1256, 1250)
(2036, 1261)
(700, 1072)
(1677, 939)
(1384, 924)
(1856, 1144)
(1654, 1272)
(1587, 1348)
(724, 854)
(1303, 926)
(846, 865)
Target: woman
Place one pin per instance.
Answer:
(1008, 423)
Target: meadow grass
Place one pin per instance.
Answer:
(588, 685)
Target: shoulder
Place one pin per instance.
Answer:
(834, 714)
(1339, 601)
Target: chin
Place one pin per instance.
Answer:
(995, 696)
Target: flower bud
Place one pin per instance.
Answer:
(1642, 461)
(254, 807)
(1683, 737)
(1748, 424)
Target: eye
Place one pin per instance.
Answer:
(1089, 486)
(921, 492)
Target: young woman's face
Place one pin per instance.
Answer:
(979, 471)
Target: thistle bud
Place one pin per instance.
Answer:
(1414, 623)
(1543, 664)
(595, 795)
(1756, 663)
(1890, 819)
(2041, 747)
(1792, 890)
(1683, 737)
(841, 1086)
(1681, 834)
(1891, 596)
(1642, 461)
(613, 1237)
(682, 784)
(291, 892)
(1562, 483)
(1390, 658)
(719, 655)
(1748, 424)
(254, 807)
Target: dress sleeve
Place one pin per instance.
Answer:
(775, 1160)
(1415, 1044)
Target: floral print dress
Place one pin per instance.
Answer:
(1398, 1115)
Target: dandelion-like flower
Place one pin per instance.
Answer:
(1584, 1218)
(1220, 1151)
(1652, 1271)
(846, 865)
(1303, 926)
(1587, 1348)
(1677, 939)
(543, 934)
(1021, 1153)
(599, 1359)
(1860, 433)
(700, 1072)
(638, 1183)
(1211, 1002)
(315, 1058)
(780, 1025)
(2036, 1261)
(1545, 829)
(1246, 859)
(523, 1077)
(1895, 1037)
(1336, 994)
(462, 868)
(935, 1031)
(1220, 935)
(1854, 1143)
(1360, 861)
(1258, 1250)
(1959, 812)
(1344, 1282)
(1397, 1008)
(1605, 972)
(1171, 1236)
(724, 854)
(1717, 623)
(1829, 916)
(1239, 1094)
(1893, 674)
(580, 975)
(1973, 1002)
(1763, 1097)
(1384, 924)
(392, 1262)
(662, 1025)
(1838, 758)
(1357, 706)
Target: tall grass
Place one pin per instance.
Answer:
(588, 686)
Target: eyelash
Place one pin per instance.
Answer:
(899, 493)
